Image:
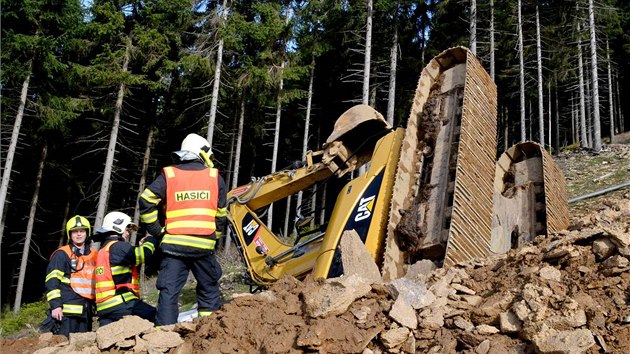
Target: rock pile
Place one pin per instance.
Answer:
(131, 334)
(566, 293)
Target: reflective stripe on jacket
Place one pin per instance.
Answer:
(191, 207)
(82, 274)
(108, 293)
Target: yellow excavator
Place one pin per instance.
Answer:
(427, 192)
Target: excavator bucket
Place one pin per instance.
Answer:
(359, 115)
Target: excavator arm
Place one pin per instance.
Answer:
(361, 134)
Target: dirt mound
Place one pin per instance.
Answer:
(276, 321)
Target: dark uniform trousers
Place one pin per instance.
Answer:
(76, 324)
(172, 278)
(132, 307)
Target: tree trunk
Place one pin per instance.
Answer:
(322, 214)
(506, 129)
(276, 142)
(531, 136)
(315, 187)
(307, 123)
(574, 127)
(541, 112)
(473, 26)
(589, 111)
(217, 82)
(276, 136)
(143, 180)
(15, 135)
(111, 149)
(622, 126)
(29, 232)
(66, 211)
(610, 95)
(368, 53)
(393, 56)
(237, 157)
(239, 142)
(549, 113)
(556, 144)
(313, 205)
(286, 218)
(597, 133)
(583, 135)
(492, 39)
(521, 71)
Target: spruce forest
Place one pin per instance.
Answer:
(95, 95)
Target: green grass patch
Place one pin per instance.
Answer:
(28, 318)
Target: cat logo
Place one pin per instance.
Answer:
(365, 208)
(251, 227)
(99, 270)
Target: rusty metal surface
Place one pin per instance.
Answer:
(470, 229)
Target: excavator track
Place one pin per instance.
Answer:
(530, 197)
(441, 208)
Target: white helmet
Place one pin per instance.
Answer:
(116, 222)
(196, 145)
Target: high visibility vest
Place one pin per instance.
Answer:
(82, 272)
(106, 296)
(192, 198)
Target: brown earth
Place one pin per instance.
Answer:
(563, 293)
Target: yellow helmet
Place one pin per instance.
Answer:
(78, 222)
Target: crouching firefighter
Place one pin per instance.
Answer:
(116, 272)
(70, 281)
(193, 195)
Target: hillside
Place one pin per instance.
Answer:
(564, 293)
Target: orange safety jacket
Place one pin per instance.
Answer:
(82, 273)
(107, 294)
(191, 207)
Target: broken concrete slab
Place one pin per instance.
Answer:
(127, 327)
(550, 273)
(162, 340)
(421, 269)
(509, 322)
(335, 295)
(356, 259)
(413, 293)
(404, 314)
(603, 248)
(394, 337)
(551, 341)
(86, 337)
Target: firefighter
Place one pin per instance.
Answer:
(116, 272)
(193, 194)
(70, 280)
